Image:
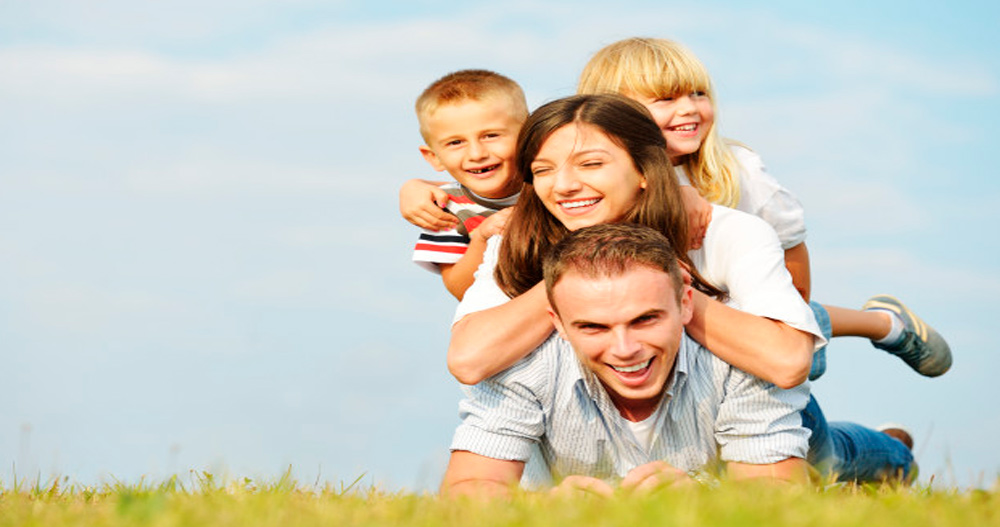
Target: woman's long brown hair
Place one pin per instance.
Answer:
(532, 229)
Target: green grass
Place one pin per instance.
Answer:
(205, 501)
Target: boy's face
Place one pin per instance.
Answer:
(626, 329)
(475, 142)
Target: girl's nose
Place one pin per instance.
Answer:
(684, 105)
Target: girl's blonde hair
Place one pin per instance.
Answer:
(656, 67)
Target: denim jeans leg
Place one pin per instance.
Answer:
(864, 454)
(821, 454)
(819, 357)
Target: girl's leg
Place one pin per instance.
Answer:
(846, 322)
(892, 327)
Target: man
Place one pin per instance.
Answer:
(639, 404)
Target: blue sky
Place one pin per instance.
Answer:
(202, 264)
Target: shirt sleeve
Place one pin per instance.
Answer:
(761, 195)
(759, 423)
(484, 292)
(742, 255)
(503, 417)
(441, 247)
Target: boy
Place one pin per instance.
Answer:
(469, 121)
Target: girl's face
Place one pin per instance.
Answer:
(684, 120)
(584, 178)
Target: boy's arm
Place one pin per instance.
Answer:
(470, 474)
(460, 275)
(797, 262)
(422, 202)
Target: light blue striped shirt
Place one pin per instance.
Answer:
(711, 412)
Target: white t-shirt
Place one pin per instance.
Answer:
(761, 195)
(740, 255)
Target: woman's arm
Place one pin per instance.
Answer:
(765, 348)
(486, 342)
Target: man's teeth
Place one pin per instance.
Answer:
(632, 369)
(577, 204)
(685, 128)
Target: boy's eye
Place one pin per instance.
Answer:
(453, 142)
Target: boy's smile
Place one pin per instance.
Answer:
(474, 141)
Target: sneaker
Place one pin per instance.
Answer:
(898, 432)
(921, 347)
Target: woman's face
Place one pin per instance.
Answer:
(584, 178)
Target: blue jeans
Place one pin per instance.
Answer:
(853, 452)
(819, 358)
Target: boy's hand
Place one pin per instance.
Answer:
(699, 212)
(493, 225)
(422, 204)
(654, 476)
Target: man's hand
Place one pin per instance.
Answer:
(422, 204)
(699, 212)
(654, 476)
(577, 485)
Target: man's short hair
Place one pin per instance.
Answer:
(609, 250)
(475, 85)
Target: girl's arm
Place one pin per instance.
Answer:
(422, 203)
(765, 348)
(797, 263)
(460, 275)
(486, 342)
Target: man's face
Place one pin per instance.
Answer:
(474, 141)
(626, 329)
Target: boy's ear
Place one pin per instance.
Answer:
(431, 158)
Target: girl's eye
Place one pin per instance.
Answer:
(698, 94)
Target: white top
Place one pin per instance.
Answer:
(740, 255)
(761, 195)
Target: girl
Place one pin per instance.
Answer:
(675, 87)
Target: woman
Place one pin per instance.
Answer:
(600, 158)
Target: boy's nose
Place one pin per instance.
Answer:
(477, 150)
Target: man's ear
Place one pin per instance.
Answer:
(556, 321)
(431, 158)
(687, 304)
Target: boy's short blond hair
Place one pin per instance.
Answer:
(465, 85)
